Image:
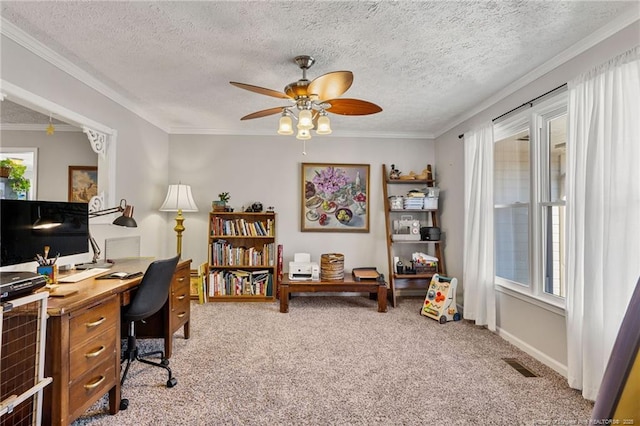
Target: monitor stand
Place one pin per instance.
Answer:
(91, 265)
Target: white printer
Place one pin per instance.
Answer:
(303, 269)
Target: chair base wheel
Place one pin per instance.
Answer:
(124, 404)
(172, 382)
(164, 362)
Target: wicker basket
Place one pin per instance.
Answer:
(332, 266)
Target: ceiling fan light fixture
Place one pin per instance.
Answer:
(303, 134)
(324, 125)
(305, 119)
(286, 125)
(312, 100)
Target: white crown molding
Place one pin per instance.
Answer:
(336, 133)
(39, 127)
(586, 43)
(28, 42)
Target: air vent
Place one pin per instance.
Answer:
(517, 365)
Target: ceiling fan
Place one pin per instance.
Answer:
(313, 99)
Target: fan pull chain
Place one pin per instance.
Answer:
(304, 147)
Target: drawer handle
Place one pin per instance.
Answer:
(95, 384)
(96, 323)
(181, 297)
(181, 314)
(181, 279)
(95, 353)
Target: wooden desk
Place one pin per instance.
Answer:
(348, 284)
(83, 340)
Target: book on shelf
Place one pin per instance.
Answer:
(240, 227)
(240, 283)
(224, 253)
(279, 270)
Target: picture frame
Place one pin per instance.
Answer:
(83, 183)
(334, 197)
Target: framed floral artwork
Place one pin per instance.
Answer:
(83, 183)
(335, 197)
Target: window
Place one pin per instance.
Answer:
(529, 204)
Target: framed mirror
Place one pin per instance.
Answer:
(99, 138)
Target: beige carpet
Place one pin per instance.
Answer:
(337, 361)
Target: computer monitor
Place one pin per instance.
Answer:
(26, 227)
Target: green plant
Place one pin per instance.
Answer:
(224, 197)
(16, 175)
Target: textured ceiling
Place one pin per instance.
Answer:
(425, 63)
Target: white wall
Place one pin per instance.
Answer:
(141, 148)
(268, 169)
(536, 329)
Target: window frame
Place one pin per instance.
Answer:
(535, 119)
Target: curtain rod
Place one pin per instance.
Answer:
(530, 103)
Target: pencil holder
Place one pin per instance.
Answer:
(49, 271)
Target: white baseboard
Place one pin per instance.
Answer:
(543, 358)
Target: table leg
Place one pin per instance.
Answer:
(187, 330)
(284, 298)
(114, 398)
(382, 298)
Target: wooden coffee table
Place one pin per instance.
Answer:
(376, 288)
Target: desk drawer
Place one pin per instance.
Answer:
(180, 304)
(89, 388)
(93, 352)
(95, 321)
(181, 279)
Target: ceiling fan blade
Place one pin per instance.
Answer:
(331, 85)
(352, 107)
(263, 113)
(260, 90)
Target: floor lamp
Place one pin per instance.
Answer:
(179, 199)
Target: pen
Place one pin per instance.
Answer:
(46, 252)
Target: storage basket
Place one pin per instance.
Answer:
(332, 266)
(425, 269)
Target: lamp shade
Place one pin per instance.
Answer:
(303, 134)
(126, 219)
(179, 198)
(324, 125)
(305, 119)
(286, 125)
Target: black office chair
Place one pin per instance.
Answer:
(149, 299)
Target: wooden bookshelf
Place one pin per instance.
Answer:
(242, 257)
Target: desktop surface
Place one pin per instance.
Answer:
(90, 290)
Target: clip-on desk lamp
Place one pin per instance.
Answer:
(126, 219)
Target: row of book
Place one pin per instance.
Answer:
(224, 253)
(241, 228)
(240, 283)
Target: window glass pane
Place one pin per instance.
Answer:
(554, 283)
(511, 191)
(553, 216)
(511, 169)
(557, 129)
(512, 243)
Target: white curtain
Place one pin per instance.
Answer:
(603, 213)
(478, 273)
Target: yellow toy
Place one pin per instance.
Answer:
(440, 301)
